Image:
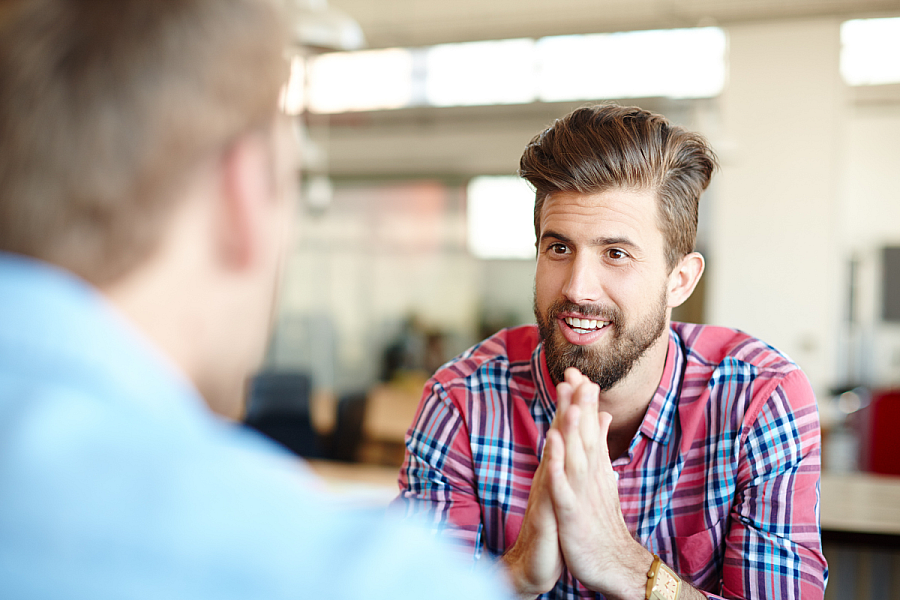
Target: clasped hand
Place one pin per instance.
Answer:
(573, 515)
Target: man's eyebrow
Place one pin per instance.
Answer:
(600, 241)
(556, 236)
(614, 241)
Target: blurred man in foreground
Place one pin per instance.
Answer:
(145, 187)
(608, 450)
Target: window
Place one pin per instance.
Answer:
(500, 218)
(353, 81)
(869, 51)
(674, 63)
(481, 73)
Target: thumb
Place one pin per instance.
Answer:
(604, 460)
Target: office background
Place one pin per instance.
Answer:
(793, 228)
(414, 242)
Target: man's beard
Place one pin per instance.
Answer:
(604, 366)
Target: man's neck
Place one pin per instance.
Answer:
(627, 401)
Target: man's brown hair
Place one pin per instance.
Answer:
(107, 105)
(596, 148)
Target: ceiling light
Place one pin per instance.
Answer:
(316, 25)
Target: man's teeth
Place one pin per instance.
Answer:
(585, 324)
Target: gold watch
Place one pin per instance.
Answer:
(662, 582)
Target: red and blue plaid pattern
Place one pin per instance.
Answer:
(722, 479)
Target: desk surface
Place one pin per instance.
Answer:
(355, 473)
(860, 503)
(857, 503)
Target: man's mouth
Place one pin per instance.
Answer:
(582, 326)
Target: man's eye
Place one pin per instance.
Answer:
(616, 254)
(559, 248)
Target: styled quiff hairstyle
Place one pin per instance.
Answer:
(597, 148)
(106, 106)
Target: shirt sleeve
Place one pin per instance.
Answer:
(773, 548)
(437, 481)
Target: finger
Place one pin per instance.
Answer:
(541, 468)
(554, 452)
(604, 419)
(561, 493)
(540, 483)
(576, 463)
(604, 464)
(564, 391)
(574, 377)
(587, 397)
(570, 423)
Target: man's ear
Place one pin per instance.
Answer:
(684, 278)
(244, 193)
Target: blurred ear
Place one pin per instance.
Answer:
(684, 277)
(245, 182)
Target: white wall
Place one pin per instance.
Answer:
(773, 258)
(810, 178)
(870, 218)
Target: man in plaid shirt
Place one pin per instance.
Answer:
(608, 452)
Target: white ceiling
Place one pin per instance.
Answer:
(413, 23)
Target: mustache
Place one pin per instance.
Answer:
(601, 313)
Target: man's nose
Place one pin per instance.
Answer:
(583, 283)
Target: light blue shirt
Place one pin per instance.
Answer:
(117, 482)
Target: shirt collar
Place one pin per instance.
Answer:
(545, 386)
(657, 423)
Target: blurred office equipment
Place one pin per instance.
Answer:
(390, 410)
(890, 286)
(879, 442)
(279, 407)
(346, 437)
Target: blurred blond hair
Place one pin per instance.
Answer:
(107, 105)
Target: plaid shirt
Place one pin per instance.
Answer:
(721, 480)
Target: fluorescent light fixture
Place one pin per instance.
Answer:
(314, 24)
(500, 72)
(870, 51)
(673, 63)
(500, 218)
(355, 81)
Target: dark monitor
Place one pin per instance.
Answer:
(890, 284)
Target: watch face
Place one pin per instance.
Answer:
(666, 585)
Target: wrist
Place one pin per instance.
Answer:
(630, 582)
(662, 582)
(519, 576)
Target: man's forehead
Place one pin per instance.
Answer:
(635, 209)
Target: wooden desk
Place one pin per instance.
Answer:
(860, 508)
